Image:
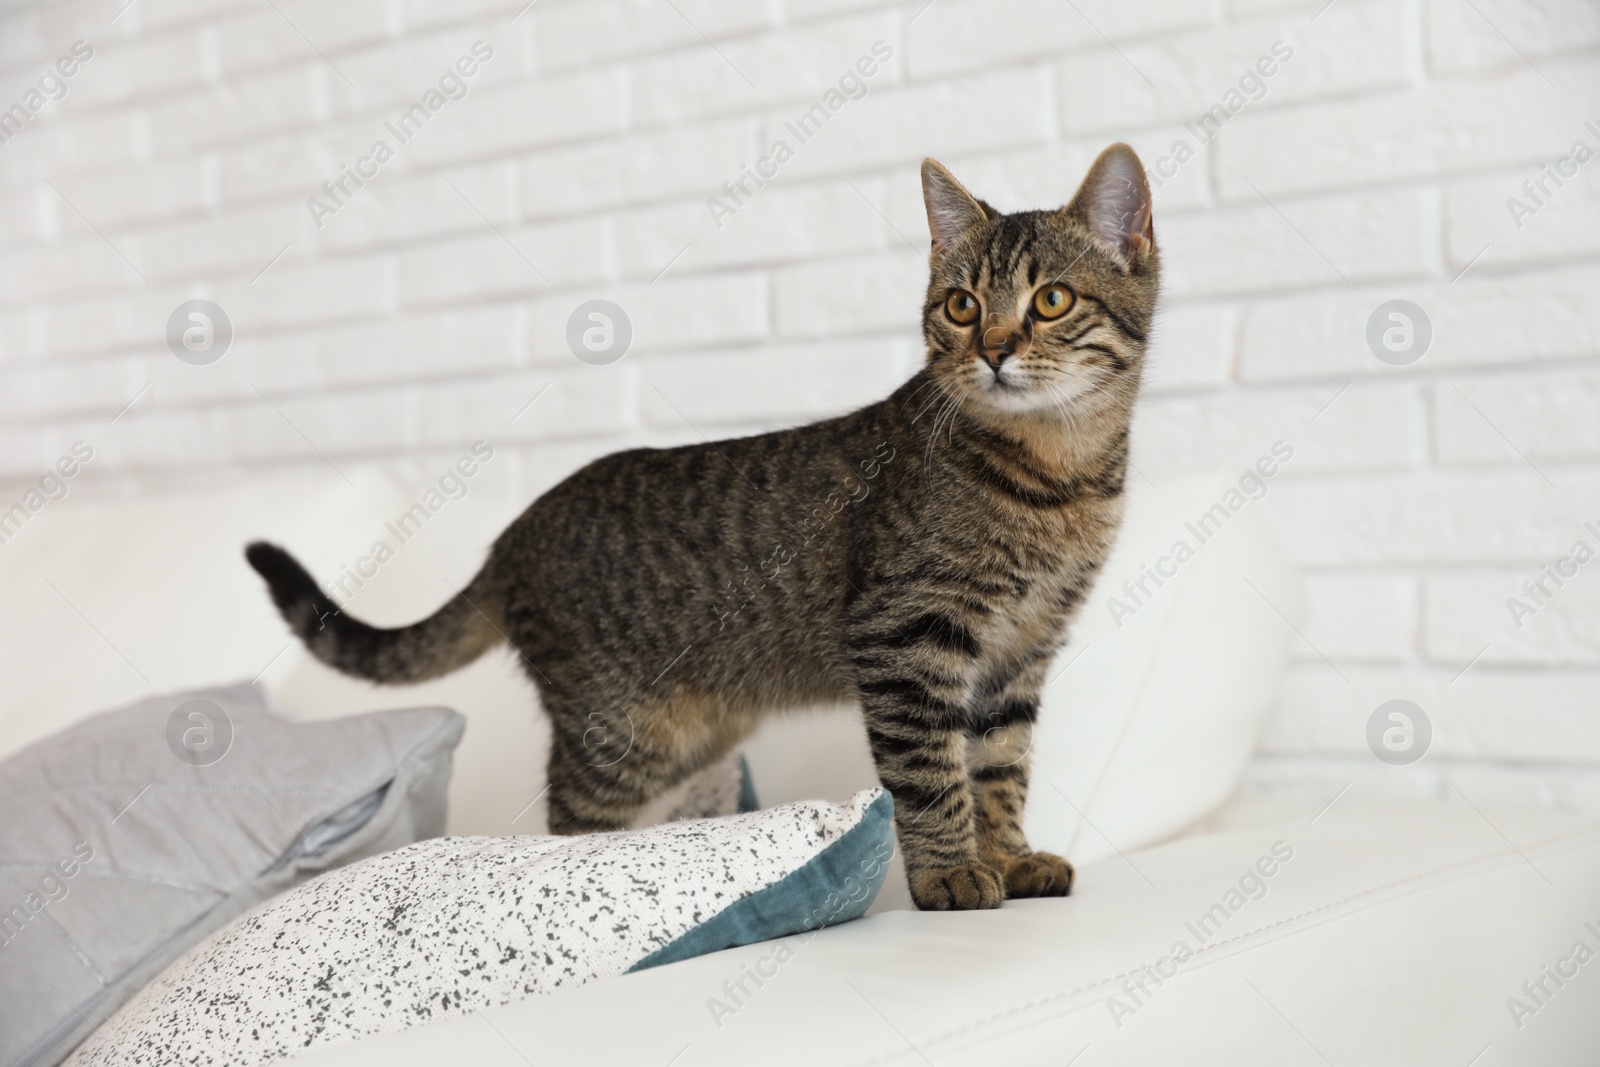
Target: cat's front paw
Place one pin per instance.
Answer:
(1038, 874)
(967, 887)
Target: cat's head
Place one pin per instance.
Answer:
(1041, 311)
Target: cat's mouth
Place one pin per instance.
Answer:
(1005, 376)
(1014, 390)
(1008, 377)
(1007, 391)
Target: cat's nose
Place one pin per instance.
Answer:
(999, 345)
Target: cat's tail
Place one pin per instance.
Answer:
(447, 640)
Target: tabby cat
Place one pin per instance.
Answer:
(922, 556)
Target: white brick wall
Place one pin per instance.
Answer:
(426, 313)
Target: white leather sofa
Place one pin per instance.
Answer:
(1204, 929)
(1393, 937)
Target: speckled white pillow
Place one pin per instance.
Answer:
(451, 925)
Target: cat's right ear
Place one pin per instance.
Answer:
(952, 211)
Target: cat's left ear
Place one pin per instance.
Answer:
(952, 211)
(1114, 203)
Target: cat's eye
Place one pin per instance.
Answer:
(962, 307)
(1052, 301)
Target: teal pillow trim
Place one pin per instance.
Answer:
(836, 885)
(747, 789)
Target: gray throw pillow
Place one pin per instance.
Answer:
(130, 836)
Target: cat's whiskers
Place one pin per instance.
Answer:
(936, 384)
(1064, 405)
(943, 400)
(946, 415)
(950, 423)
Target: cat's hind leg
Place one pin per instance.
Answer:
(608, 766)
(597, 781)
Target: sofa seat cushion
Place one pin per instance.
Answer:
(1385, 934)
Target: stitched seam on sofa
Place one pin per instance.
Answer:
(1459, 869)
(1590, 837)
(1465, 867)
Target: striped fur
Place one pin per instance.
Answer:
(923, 556)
